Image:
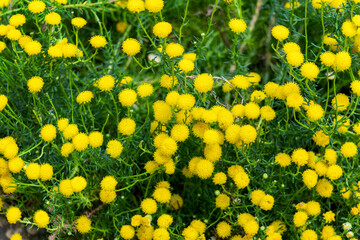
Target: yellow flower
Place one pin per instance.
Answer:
(114, 148)
(174, 50)
(222, 201)
(41, 218)
(36, 6)
(329, 216)
(127, 232)
(78, 22)
(84, 97)
(17, 20)
(154, 6)
(46, 172)
(237, 25)
(280, 32)
(131, 46)
(135, 6)
(53, 18)
(148, 206)
(162, 29)
(35, 84)
(83, 224)
(127, 97)
(33, 48)
(13, 214)
(48, 132)
(98, 41)
(203, 83)
(223, 229)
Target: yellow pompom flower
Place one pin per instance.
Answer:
(342, 61)
(162, 29)
(334, 172)
(283, 159)
(127, 232)
(203, 83)
(267, 202)
(62, 123)
(148, 206)
(295, 59)
(248, 134)
(186, 65)
(355, 87)
(126, 126)
(164, 221)
(324, 188)
(204, 169)
(315, 112)
(162, 111)
(280, 32)
(53, 18)
(300, 218)
(309, 70)
(168, 82)
(145, 90)
(108, 183)
(36, 6)
(107, 196)
(154, 6)
(96, 139)
(162, 195)
(48, 132)
(78, 183)
(70, 131)
(223, 229)
(241, 82)
(98, 41)
(328, 58)
(114, 148)
(219, 178)
(84, 97)
(291, 47)
(32, 48)
(79, 22)
(349, 149)
(67, 149)
(105, 83)
(83, 224)
(222, 201)
(340, 102)
(310, 178)
(131, 46)
(186, 101)
(349, 29)
(267, 113)
(174, 50)
(13, 214)
(2, 46)
(13, 34)
(321, 139)
(252, 110)
(237, 25)
(135, 6)
(80, 141)
(241, 179)
(16, 164)
(35, 84)
(329, 217)
(46, 172)
(41, 218)
(17, 20)
(33, 171)
(127, 97)
(3, 102)
(300, 157)
(16, 236)
(180, 132)
(65, 187)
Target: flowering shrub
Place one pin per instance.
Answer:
(190, 120)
